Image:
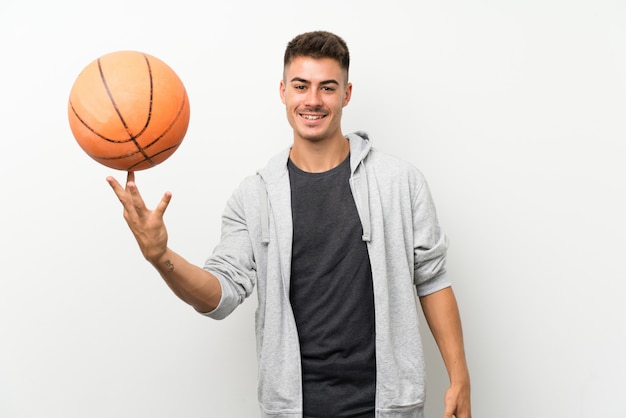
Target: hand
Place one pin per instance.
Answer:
(146, 225)
(457, 402)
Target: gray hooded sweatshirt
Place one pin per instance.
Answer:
(407, 252)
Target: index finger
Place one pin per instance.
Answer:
(116, 186)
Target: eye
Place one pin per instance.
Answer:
(299, 87)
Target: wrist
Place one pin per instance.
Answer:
(458, 373)
(158, 259)
(460, 378)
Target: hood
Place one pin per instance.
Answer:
(276, 169)
(360, 146)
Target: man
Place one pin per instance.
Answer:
(339, 239)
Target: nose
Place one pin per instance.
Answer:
(313, 98)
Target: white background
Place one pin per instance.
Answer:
(514, 111)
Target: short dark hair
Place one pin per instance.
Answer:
(318, 44)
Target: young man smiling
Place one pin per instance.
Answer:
(314, 92)
(341, 241)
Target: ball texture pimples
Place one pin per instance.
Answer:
(128, 110)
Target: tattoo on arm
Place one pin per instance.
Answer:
(170, 265)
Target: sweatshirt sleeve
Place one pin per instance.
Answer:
(232, 260)
(430, 244)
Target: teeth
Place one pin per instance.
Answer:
(311, 117)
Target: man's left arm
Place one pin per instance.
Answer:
(442, 314)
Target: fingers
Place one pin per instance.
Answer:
(135, 196)
(449, 404)
(162, 206)
(457, 403)
(129, 196)
(117, 188)
(132, 200)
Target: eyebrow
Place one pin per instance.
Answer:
(302, 80)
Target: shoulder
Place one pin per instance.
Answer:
(248, 189)
(385, 165)
(362, 149)
(273, 171)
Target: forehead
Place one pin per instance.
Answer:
(314, 69)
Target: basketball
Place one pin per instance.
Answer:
(128, 110)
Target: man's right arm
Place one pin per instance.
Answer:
(192, 284)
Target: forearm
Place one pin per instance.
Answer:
(192, 284)
(442, 314)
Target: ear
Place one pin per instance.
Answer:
(348, 95)
(282, 91)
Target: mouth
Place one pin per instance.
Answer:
(311, 117)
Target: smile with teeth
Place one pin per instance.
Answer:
(311, 117)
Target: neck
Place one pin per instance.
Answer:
(318, 157)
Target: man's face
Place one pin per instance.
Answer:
(314, 92)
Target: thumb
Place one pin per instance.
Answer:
(449, 406)
(163, 204)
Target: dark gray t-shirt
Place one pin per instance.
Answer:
(332, 296)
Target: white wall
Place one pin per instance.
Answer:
(513, 110)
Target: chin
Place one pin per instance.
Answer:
(313, 138)
(313, 135)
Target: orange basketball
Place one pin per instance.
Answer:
(128, 110)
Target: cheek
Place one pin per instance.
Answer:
(291, 101)
(286, 98)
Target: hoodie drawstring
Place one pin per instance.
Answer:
(365, 205)
(264, 212)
